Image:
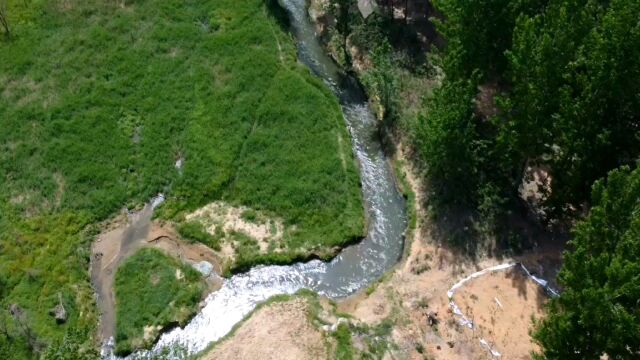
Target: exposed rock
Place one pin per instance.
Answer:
(204, 267)
(59, 312)
(366, 7)
(15, 310)
(340, 321)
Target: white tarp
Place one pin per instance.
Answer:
(464, 321)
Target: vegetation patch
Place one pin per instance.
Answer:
(153, 292)
(99, 99)
(43, 263)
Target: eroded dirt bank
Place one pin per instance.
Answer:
(418, 287)
(123, 237)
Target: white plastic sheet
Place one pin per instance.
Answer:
(464, 321)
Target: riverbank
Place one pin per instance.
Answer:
(400, 304)
(412, 301)
(122, 239)
(418, 287)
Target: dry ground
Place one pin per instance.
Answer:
(280, 330)
(419, 286)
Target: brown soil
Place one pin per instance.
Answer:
(419, 285)
(281, 330)
(502, 305)
(262, 229)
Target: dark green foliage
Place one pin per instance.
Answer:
(381, 81)
(598, 311)
(568, 75)
(478, 32)
(149, 293)
(446, 136)
(576, 76)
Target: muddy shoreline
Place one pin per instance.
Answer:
(123, 239)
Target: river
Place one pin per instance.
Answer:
(356, 266)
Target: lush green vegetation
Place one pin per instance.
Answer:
(574, 111)
(344, 347)
(153, 289)
(44, 259)
(98, 99)
(597, 312)
(194, 231)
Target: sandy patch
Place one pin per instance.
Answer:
(179, 274)
(254, 224)
(165, 238)
(150, 332)
(501, 304)
(418, 287)
(281, 330)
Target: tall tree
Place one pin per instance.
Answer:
(478, 32)
(575, 72)
(598, 311)
(446, 137)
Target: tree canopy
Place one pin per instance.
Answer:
(598, 311)
(565, 75)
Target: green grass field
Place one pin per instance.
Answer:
(98, 99)
(153, 289)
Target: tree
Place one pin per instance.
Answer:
(381, 79)
(446, 138)
(478, 32)
(575, 71)
(598, 311)
(4, 18)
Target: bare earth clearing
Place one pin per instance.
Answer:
(419, 286)
(280, 330)
(216, 216)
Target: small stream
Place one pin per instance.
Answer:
(356, 266)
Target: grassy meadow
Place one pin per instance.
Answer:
(153, 290)
(99, 99)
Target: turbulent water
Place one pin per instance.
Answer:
(356, 266)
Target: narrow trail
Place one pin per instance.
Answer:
(113, 247)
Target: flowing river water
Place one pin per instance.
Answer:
(356, 266)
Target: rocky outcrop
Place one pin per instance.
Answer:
(59, 312)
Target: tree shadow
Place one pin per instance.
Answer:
(279, 14)
(409, 29)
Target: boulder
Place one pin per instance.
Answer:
(204, 267)
(59, 312)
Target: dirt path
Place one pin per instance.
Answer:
(128, 234)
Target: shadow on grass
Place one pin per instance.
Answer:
(279, 14)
